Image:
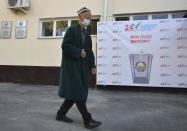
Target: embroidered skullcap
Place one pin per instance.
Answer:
(84, 9)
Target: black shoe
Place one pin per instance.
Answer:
(64, 119)
(92, 124)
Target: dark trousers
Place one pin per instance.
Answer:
(81, 105)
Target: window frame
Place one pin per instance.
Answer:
(54, 31)
(68, 19)
(148, 14)
(140, 15)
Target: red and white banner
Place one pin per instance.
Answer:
(142, 53)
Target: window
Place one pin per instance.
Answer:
(140, 17)
(47, 28)
(178, 15)
(92, 28)
(56, 28)
(160, 16)
(152, 16)
(61, 26)
(143, 16)
(53, 28)
(122, 18)
(73, 22)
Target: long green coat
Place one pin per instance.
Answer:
(74, 71)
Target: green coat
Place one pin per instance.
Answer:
(74, 71)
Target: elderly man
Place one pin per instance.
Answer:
(77, 61)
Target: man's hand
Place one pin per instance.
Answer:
(83, 54)
(94, 71)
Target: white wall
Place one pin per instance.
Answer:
(33, 51)
(140, 6)
(47, 52)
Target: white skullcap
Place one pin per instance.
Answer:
(84, 9)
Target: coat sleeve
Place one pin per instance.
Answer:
(68, 47)
(91, 59)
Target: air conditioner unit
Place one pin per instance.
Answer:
(14, 4)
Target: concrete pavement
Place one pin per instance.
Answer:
(33, 108)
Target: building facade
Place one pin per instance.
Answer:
(31, 36)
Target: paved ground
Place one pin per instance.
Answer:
(33, 108)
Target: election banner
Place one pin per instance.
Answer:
(142, 53)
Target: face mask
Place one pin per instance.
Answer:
(86, 22)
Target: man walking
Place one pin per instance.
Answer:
(77, 61)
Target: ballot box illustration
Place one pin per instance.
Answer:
(141, 67)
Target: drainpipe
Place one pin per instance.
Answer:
(106, 10)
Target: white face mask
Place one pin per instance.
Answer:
(86, 22)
